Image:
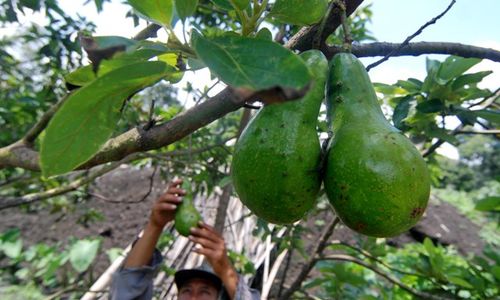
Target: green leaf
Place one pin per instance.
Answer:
(495, 270)
(492, 116)
(401, 112)
(11, 243)
(431, 106)
(460, 282)
(171, 60)
(443, 135)
(298, 12)
(83, 253)
(88, 117)
(241, 4)
(264, 34)
(466, 117)
(388, 89)
(225, 181)
(466, 79)
(109, 41)
(114, 253)
(491, 203)
(157, 11)
(455, 66)
(225, 4)
(185, 8)
(412, 85)
(32, 4)
(85, 75)
(250, 62)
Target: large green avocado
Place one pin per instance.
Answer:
(276, 160)
(186, 215)
(375, 179)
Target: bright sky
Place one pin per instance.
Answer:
(468, 22)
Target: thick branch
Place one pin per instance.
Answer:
(343, 257)
(416, 49)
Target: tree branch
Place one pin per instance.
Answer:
(416, 49)
(35, 197)
(492, 131)
(138, 139)
(317, 250)
(376, 259)
(343, 257)
(408, 39)
(304, 39)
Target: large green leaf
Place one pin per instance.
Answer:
(401, 112)
(491, 203)
(83, 253)
(225, 4)
(298, 12)
(158, 11)
(88, 117)
(455, 66)
(145, 51)
(252, 63)
(185, 8)
(431, 106)
(463, 80)
(241, 4)
(492, 116)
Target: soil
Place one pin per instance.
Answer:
(122, 198)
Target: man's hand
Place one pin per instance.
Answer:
(164, 208)
(213, 247)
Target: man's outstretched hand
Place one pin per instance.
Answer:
(213, 247)
(164, 208)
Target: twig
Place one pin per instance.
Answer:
(205, 93)
(492, 131)
(408, 39)
(370, 256)
(302, 40)
(106, 199)
(347, 32)
(281, 34)
(317, 37)
(317, 250)
(14, 179)
(492, 97)
(343, 257)
(439, 142)
(151, 183)
(35, 197)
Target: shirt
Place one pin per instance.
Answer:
(137, 283)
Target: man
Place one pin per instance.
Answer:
(134, 280)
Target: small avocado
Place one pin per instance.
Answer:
(186, 215)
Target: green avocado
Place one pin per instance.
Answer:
(375, 179)
(276, 159)
(186, 215)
